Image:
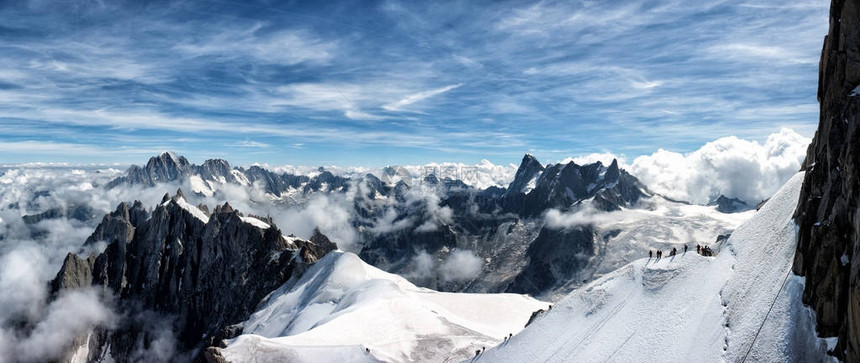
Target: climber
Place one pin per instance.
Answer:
(685, 248)
(650, 254)
(674, 251)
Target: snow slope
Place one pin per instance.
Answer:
(255, 222)
(627, 235)
(342, 305)
(688, 308)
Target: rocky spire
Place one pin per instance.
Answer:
(528, 170)
(612, 172)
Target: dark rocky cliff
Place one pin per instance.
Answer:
(827, 214)
(562, 186)
(204, 273)
(555, 257)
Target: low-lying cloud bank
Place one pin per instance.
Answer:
(459, 266)
(730, 166)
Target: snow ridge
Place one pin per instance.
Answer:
(347, 306)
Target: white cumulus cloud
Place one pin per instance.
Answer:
(729, 166)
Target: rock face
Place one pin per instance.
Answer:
(828, 252)
(560, 186)
(729, 205)
(202, 272)
(163, 168)
(555, 257)
(529, 169)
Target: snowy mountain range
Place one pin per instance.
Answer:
(554, 229)
(541, 262)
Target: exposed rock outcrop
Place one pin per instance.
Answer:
(203, 273)
(561, 186)
(725, 204)
(163, 168)
(529, 169)
(555, 257)
(827, 212)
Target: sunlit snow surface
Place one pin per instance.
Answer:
(627, 235)
(343, 306)
(688, 308)
(196, 212)
(255, 222)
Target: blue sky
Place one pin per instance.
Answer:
(388, 82)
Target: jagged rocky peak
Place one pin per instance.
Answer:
(213, 169)
(313, 251)
(204, 273)
(226, 208)
(167, 160)
(321, 240)
(530, 168)
(563, 185)
(828, 255)
(613, 171)
(167, 166)
(327, 182)
(179, 194)
(725, 204)
(162, 168)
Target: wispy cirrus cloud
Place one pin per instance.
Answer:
(284, 47)
(407, 82)
(249, 143)
(417, 97)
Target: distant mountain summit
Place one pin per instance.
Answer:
(168, 167)
(526, 176)
(729, 205)
(162, 168)
(537, 188)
